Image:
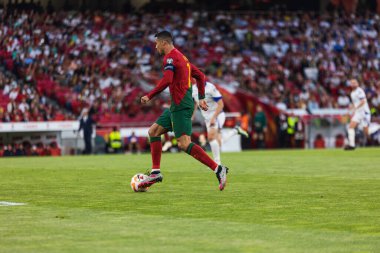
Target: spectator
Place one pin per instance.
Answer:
(343, 99)
(282, 130)
(54, 149)
(19, 150)
(114, 140)
(86, 123)
(285, 61)
(40, 149)
(292, 123)
(259, 127)
(319, 142)
(133, 143)
(8, 151)
(34, 151)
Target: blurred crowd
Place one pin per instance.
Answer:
(99, 59)
(20, 102)
(27, 149)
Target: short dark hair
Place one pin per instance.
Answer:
(164, 35)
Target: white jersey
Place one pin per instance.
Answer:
(212, 96)
(356, 96)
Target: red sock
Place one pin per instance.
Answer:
(198, 153)
(156, 150)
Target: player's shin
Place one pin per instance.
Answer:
(228, 134)
(351, 137)
(215, 149)
(156, 150)
(198, 153)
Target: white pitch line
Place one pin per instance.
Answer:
(5, 203)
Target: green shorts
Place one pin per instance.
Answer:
(177, 121)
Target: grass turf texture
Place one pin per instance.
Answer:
(275, 201)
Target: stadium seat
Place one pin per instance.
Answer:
(319, 142)
(339, 141)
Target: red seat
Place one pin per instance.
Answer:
(319, 142)
(339, 141)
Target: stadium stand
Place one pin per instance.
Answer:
(107, 60)
(97, 59)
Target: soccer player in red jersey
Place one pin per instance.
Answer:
(177, 72)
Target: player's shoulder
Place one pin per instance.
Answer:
(358, 91)
(170, 61)
(172, 57)
(173, 54)
(210, 85)
(178, 55)
(361, 90)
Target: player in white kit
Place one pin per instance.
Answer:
(214, 118)
(361, 114)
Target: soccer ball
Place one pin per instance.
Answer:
(135, 181)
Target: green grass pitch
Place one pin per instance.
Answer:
(275, 201)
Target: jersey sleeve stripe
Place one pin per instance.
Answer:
(169, 67)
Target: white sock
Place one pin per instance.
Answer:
(229, 134)
(215, 148)
(351, 137)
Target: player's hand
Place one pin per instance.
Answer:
(203, 105)
(212, 121)
(144, 99)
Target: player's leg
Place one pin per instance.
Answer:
(184, 143)
(228, 135)
(365, 126)
(212, 137)
(182, 127)
(351, 135)
(155, 132)
(235, 131)
(161, 126)
(367, 136)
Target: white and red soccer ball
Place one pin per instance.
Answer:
(135, 182)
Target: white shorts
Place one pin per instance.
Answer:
(362, 118)
(218, 124)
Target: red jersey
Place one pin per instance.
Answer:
(177, 75)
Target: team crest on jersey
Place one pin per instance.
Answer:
(169, 61)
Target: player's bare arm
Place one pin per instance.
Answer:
(203, 105)
(218, 110)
